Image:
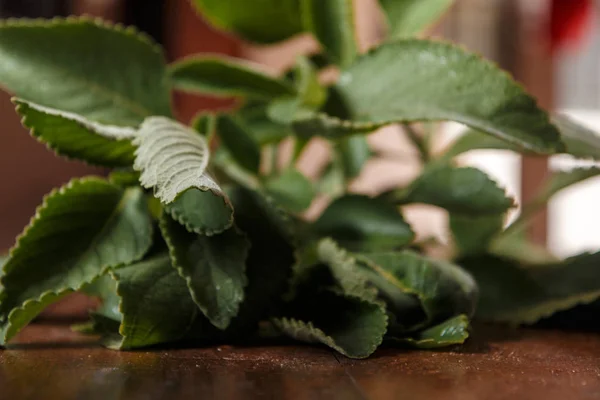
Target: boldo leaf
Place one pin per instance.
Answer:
(104, 73)
(260, 127)
(418, 80)
(291, 189)
(105, 289)
(202, 212)
(80, 231)
(222, 76)
(517, 294)
(451, 332)
(462, 190)
(266, 21)
(73, 136)
(155, 303)
(354, 152)
(580, 141)
(213, 268)
(361, 223)
(332, 23)
(411, 17)
(239, 143)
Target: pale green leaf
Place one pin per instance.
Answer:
(213, 268)
(107, 74)
(476, 140)
(155, 303)
(332, 23)
(418, 80)
(73, 136)
(418, 290)
(350, 325)
(264, 21)
(222, 76)
(239, 143)
(361, 223)
(513, 293)
(411, 17)
(462, 190)
(580, 141)
(291, 189)
(80, 231)
(451, 332)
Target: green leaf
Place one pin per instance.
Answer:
(124, 177)
(462, 190)
(270, 260)
(476, 140)
(292, 190)
(239, 142)
(106, 74)
(262, 128)
(451, 332)
(474, 235)
(80, 231)
(513, 293)
(581, 142)
(332, 182)
(105, 288)
(354, 153)
(417, 80)
(205, 123)
(332, 23)
(350, 325)
(155, 303)
(266, 21)
(411, 17)
(222, 76)
(72, 136)
(419, 290)
(362, 223)
(172, 160)
(213, 267)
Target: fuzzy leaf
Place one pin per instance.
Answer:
(361, 223)
(451, 332)
(411, 17)
(332, 23)
(80, 231)
(350, 325)
(419, 290)
(69, 65)
(73, 136)
(239, 142)
(466, 190)
(473, 91)
(202, 212)
(222, 76)
(266, 21)
(292, 190)
(213, 267)
(155, 303)
(354, 153)
(510, 292)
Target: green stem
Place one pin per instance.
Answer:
(418, 142)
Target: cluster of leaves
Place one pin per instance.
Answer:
(183, 242)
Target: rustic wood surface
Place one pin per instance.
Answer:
(49, 362)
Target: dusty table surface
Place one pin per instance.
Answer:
(50, 362)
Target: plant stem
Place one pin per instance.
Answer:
(418, 142)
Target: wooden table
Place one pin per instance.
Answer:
(50, 362)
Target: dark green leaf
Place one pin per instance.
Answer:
(292, 190)
(332, 23)
(202, 212)
(417, 80)
(124, 177)
(451, 332)
(474, 235)
(75, 137)
(105, 289)
(332, 182)
(466, 190)
(419, 290)
(476, 140)
(225, 77)
(262, 128)
(411, 17)
(350, 325)
(80, 231)
(155, 302)
(239, 142)
(362, 223)
(213, 267)
(103, 73)
(265, 21)
(510, 292)
(205, 123)
(354, 154)
(581, 142)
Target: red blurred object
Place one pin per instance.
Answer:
(570, 21)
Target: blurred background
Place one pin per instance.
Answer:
(551, 46)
